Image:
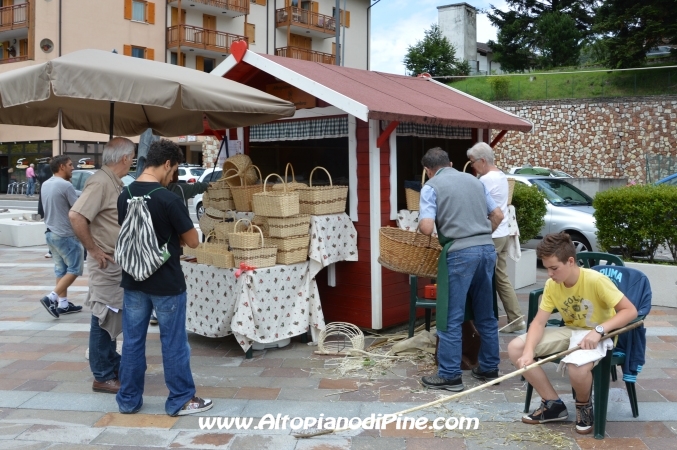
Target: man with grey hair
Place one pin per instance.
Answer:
(465, 215)
(95, 221)
(481, 157)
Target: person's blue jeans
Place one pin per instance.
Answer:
(104, 361)
(171, 314)
(30, 190)
(470, 272)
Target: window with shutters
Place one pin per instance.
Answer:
(139, 11)
(139, 52)
(250, 33)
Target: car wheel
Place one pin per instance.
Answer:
(199, 211)
(581, 244)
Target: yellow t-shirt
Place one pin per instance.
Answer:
(586, 304)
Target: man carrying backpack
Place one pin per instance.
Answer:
(149, 283)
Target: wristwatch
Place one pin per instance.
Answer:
(600, 329)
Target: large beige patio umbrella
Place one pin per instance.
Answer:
(105, 92)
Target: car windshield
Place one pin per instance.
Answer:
(212, 176)
(561, 193)
(197, 172)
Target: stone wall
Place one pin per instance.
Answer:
(605, 138)
(210, 149)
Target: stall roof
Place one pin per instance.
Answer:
(376, 95)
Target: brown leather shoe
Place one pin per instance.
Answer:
(111, 386)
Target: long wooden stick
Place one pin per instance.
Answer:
(489, 383)
(520, 317)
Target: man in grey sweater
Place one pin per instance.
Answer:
(464, 214)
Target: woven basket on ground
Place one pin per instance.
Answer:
(291, 185)
(409, 252)
(262, 256)
(511, 189)
(242, 195)
(243, 171)
(275, 204)
(288, 226)
(414, 197)
(291, 250)
(321, 200)
(244, 239)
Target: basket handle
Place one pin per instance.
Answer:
(252, 226)
(331, 183)
(224, 177)
(293, 176)
(284, 184)
(244, 179)
(240, 220)
(423, 177)
(211, 234)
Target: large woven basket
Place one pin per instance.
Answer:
(242, 195)
(291, 250)
(511, 189)
(414, 197)
(290, 185)
(243, 170)
(275, 203)
(219, 196)
(209, 220)
(409, 252)
(262, 256)
(321, 200)
(288, 226)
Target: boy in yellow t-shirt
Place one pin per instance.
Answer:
(586, 299)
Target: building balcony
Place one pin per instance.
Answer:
(204, 42)
(305, 54)
(305, 22)
(14, 59)
(219, 8)
(13, 21)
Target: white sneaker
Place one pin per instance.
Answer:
(48, 255)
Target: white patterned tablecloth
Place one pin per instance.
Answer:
(333, 238)
(262, 305)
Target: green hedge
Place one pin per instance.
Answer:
(530, 210)
(636, 220)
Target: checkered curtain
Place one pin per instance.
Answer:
(429, 131)
(287, 130)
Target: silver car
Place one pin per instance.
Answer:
(568, 209)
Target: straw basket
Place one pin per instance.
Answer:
(244, 239)
(223, 229)
(290, 186)
(262, 256)
(414, 197)
(291, 250)
(219, 196)
(409, 252)
(275, 204)
(511, 189)
(221, 257)
(288, 226)
(321, 200)
(242, 195)
(208, 250)
(261, 222)
(243, 168)
(209, 220)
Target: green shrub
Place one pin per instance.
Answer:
(500, 87)
(636, 220)
(530, 210)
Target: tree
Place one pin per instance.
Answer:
(630, 28)
(434, 55)
(558, 40)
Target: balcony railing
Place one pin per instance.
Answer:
(305, 54)
(12, 17)
(195, 37)
(241, 6)
(14, 59)
(293, 15)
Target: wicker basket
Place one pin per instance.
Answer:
(243, 171)
(288, 226)
(244, 239)
(262, 256)
(205, 251)
(511, 189)
(321, 200)
(291, 250)
(275, 204)
(219, 196)
(290, 185)
(261, 222)
(242, 195)
(409, 252)
(414, 197)
(223, 259)
(223, 229)
(209, 220)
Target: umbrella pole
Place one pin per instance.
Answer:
(110, 125)
(216, 161)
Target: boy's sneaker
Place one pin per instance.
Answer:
(489, 375)
(70, 309)
(153, 319)
(195, 405)
(435, 382)
(549, 411)
(50, 306)
(584, 417)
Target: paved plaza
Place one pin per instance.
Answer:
(46, 399)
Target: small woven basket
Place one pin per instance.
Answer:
(291, 250)
(321, 200)
(262, 256)
(219, 196)
(221, 258)
(206, 251)
(275, 204)
(244, 239)
(242, 195)
(414, 197)
(511, 189)
(409, 252)
(223, 229)
(290, 185)
(243, 171)
(288, 226)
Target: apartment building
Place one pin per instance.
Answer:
(193, 33)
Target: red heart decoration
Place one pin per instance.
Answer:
(238, 49)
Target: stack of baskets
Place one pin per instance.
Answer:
(250, 247)
(412, 192)
(321, 200)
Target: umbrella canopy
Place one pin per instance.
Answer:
(172, 100)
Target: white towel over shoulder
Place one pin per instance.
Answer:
(580, 357)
